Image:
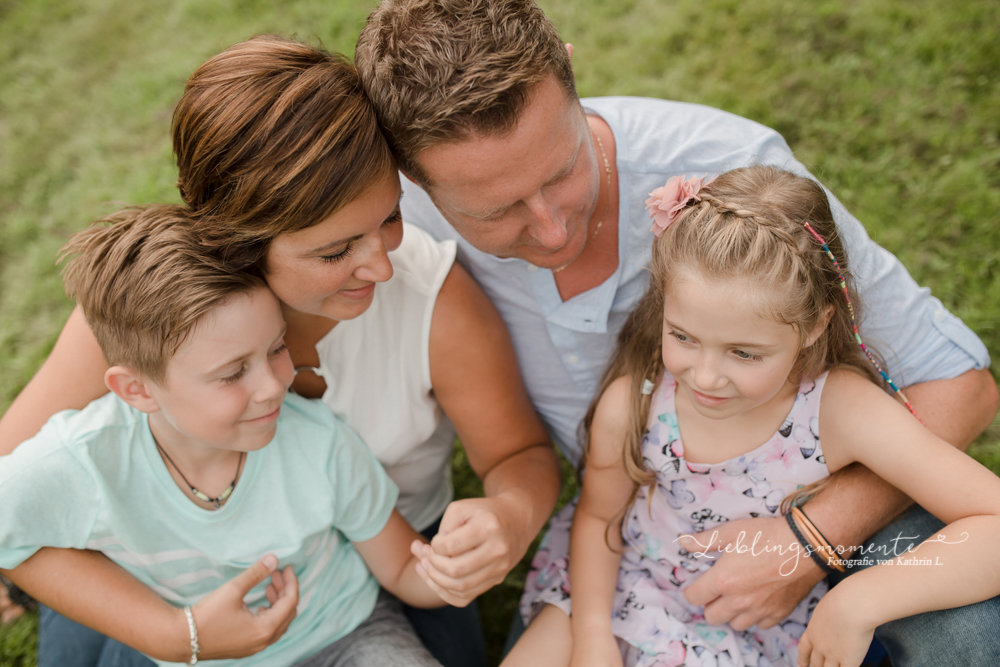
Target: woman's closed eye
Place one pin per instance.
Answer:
(340, 256)
(348, 250)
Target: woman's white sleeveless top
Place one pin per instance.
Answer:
(378, 378)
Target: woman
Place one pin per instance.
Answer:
(281, 159)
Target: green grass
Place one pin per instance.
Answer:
(895, 105)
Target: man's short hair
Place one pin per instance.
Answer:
(440, 71)
(143, 282)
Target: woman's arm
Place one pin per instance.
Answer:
(955, 567)
(71, 377)
(595, 540)
(88, 588)
(476, 379)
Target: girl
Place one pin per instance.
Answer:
(710, 411)
(285, 171)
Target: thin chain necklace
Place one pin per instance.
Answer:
(607, 203)
(221, 498)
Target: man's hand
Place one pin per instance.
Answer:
(226, 626)
(477, 545)
(760, 576)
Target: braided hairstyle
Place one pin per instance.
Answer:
(749, 225)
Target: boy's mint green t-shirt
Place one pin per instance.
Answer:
(92, 479)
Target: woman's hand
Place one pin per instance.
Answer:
(837, 634)
(476, 379)
(479, 542)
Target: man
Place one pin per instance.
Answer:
(545, 195)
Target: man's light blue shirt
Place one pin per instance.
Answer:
(562, 347)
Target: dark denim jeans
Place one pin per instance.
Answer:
(64, 643)
(454, 636)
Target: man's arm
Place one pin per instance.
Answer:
(745, 589)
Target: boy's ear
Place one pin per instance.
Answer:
(569, 50)
(821, 325)
(131, 388)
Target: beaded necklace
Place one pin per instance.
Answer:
(218, 500)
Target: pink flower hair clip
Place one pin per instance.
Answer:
(666, 203)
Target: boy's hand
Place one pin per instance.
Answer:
(226, 626)
(419, 548)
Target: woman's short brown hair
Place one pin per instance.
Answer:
(273, 136)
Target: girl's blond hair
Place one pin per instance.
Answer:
(749, 225)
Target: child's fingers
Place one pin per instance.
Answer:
(291, 583)
(460, 591)
(278, 581)
(805, 650)
(253, 575)
(283, 607)
(271, 593)
(439, 590)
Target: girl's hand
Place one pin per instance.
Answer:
(226, 626)
(596, 649)
(836, 635)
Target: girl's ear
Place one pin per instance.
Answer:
(821, 325)
(131, 388)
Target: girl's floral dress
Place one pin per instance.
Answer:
(650, 612)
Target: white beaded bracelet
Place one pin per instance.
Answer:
(193, 632)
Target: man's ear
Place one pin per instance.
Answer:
(131, 388)
(821, 325)
(569, 50)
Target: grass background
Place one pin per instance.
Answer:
(895, 105)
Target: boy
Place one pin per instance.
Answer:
(199, 462)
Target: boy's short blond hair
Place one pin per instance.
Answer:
(143, 282)
(440, 71)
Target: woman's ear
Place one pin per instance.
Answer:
(821, 325)
(569, 50)
(131, 388)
